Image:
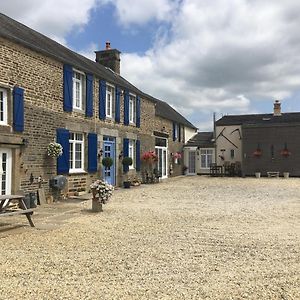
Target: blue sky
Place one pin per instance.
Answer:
(229, 57)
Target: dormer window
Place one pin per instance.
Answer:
(78, 89)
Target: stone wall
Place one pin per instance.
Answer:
(268, 137)
(42, 80)
(166, 126)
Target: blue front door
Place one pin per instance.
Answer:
(109, 151)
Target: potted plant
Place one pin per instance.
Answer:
(54, 149)
(126, 162)
(102, 192)
(257, 174)
(184, 170)
(150, 159)
(107, 162)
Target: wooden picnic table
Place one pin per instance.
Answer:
(5, 200)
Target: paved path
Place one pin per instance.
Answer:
(187, 238)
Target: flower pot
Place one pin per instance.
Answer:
(96, 206)
(286, 174)
(126, 184)
(257, 174)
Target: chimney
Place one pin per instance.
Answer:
(277, 108)
(109, 58)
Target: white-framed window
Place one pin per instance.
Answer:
(131, 153)
(132, 102)
(3, 107)
(76, 142)
(78, 89)
(110, 100)
(206, 158)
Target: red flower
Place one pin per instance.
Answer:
(149, 157)
(285, 152)
(257, 153)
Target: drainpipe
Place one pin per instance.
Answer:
(215, 135)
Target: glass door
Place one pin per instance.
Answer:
(192, 163)
(109, 151)
(162, 163)
(5, 171)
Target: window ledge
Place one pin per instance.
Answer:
(77, 172)
(78, 110)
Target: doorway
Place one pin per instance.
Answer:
(109, 173)
(192, 163)
(5, 171)
(161, 150)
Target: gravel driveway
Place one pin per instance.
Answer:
(187, 238)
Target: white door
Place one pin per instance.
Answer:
(162, 163)
(192, 163)
(5, 171)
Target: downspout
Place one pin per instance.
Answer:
(215, 135)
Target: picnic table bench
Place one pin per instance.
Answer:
(273, 174)
(215, 170)
(5, 200)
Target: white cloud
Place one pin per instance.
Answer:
(221, 55)
(50, 17)
(140, 12)
(215, 55)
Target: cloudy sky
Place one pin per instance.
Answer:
(201, 56)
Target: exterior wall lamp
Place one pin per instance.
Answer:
(100, 153)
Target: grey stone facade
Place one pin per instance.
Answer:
(271, 140)
(41, 77)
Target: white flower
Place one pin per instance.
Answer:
(103, 189)
(54, 149)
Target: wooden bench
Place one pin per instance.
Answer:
(273, 174)
(5, 200)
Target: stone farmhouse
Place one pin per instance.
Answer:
(260, 142)
(49, 93)
(242, 145)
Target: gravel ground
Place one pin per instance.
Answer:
(187, 238)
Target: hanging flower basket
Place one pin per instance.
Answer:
(285, 153)
(257, 153)
(149, 157)
(54, 149)
(176, 157)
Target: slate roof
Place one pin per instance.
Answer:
(259, 119)
(202, 140)
(164, 110)
(21, 34)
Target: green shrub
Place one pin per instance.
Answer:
(107, 162)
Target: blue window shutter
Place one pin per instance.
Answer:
(92, 152)
(18, 102)
(102, 100)
(125, 153)
(174, 129)
(126, 108)
(62, 137)
(138, 111)
(179, 133)
(117, 105)
(89, 95)
(68, 88)
(138, 155)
